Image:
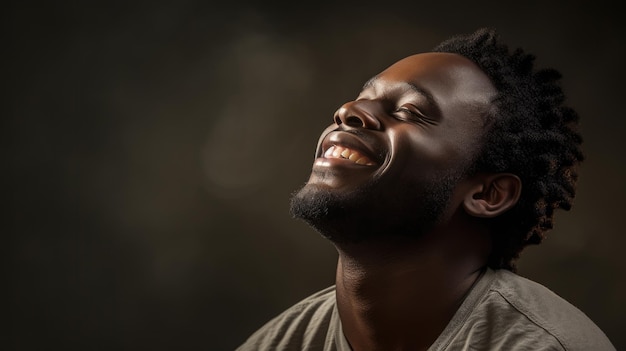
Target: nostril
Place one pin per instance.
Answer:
(354, 121)
(338, 120)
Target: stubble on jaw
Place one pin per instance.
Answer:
(371, 212)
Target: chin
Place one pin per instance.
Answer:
(355, 216)
(372, 210)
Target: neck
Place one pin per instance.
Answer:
(401, 294)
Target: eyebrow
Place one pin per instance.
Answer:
(369, 83)
(413, 87)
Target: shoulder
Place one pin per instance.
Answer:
(306, 322)
(534, 307)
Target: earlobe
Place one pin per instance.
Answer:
(493, 195)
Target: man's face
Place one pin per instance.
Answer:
(391, 162)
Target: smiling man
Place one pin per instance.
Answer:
(430, 184)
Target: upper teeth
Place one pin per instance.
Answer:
(352, 155)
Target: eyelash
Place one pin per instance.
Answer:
(418, 117)
(404, 109)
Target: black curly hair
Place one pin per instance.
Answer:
(531, 134)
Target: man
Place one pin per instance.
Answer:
(429, 185)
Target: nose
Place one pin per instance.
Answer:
(359, 114)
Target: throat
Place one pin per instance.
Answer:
(396, 305)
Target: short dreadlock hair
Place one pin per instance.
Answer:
(530, 133)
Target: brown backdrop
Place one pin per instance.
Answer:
(151, 148)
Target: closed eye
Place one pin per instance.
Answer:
(413, 114)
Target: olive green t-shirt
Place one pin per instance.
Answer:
(502, 311)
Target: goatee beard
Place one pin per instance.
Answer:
(369, 212)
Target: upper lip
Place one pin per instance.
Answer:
(348, 140)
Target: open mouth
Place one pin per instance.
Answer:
(341, 152)
(346, 147)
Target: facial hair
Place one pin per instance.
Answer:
(374, 210)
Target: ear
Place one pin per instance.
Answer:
(492, 195)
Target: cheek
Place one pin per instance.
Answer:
(426, 152)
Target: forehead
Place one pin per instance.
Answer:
(439, 76)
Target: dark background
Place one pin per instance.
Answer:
(151, 149)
